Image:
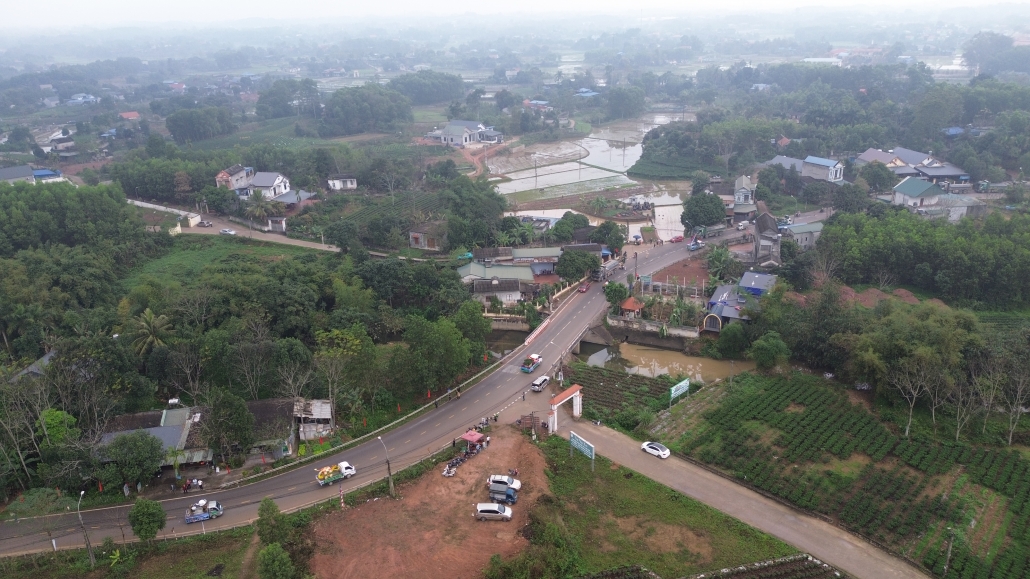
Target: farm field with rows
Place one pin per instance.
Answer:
(617, 396)
(800, 438)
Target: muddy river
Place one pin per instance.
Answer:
(650, 361)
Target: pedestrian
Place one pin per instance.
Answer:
(183, 488)
(173, 487)
(200, 484)
(436, 403)
(194, 482)
(454, 443)
(459, 394)
(488, 441)
(523, 396)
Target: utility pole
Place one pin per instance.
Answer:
(85, 536)
(389, 473)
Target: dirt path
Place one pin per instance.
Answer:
(823, 540)
(429, 532)
(248, 568)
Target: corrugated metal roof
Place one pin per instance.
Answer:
(912, 187)
(813, 160)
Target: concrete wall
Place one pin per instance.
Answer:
(514, 323)
(645, 332)
(192, 219)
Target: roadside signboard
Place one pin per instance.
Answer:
(645, 279)
(579, 443)
(678, 389)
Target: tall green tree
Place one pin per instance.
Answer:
(274, 563)
(769, 351)
(229, 426)
(134, 457)
(271, 525)
(573, 265)
(147, 518)
(703, 210)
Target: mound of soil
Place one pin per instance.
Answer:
(905, 296)
(429, 531)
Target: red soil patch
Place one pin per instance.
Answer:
(906, 296)
(687, 272)
(870, 297)
(429, 532)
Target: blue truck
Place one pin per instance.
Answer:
(531, 363)
(204, 510)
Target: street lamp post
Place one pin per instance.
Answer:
(92, 559)
(389, 473)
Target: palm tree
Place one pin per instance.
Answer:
(559, 76)
(599, 204)
(261, 209)
(502, 238)
(151, 331)
(527, 233)
(718, 261)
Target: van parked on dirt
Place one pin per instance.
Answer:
(493, 512)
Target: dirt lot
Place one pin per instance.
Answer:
(429, 532)
(567, 201)
(688, 272)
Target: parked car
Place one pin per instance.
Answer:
(227, 232)
(504, 479)
(584, 287)
(205, 224)
(676, 239)
(539, 384)
(656, 449)
(492, 511)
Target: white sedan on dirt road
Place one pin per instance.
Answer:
(227, 232)
(656, 449)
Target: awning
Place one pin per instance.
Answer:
(472, 436)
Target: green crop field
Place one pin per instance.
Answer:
(800, 438)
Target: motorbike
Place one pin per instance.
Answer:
(448, 471)
(596, 422)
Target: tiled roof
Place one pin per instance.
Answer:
(494, 285)
(912, 187)
(265, 179)
(633, 304)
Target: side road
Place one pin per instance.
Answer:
(818, 538)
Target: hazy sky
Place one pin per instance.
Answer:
(43, 16)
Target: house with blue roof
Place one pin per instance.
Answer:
(822, 169)
(730, 302)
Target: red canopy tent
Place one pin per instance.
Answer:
(473, 437)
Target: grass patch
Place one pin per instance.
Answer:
(613, 517)
(187, 558)
(190, 254)
(279, 132)
(429, 114)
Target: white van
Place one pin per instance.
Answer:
(492, 511)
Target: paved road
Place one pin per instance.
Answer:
(407, 444)
(811, 535)
(501, 392)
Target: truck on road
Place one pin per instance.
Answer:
(531, 363)
(204, 510)
(327, 475)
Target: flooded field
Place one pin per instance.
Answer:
(608, 152)
(650, 361)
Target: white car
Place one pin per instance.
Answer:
(656, 449)
(227, 232)
(500, 479)
(539, 384)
